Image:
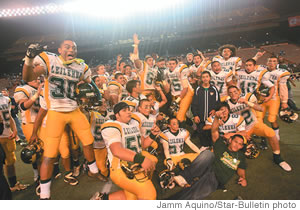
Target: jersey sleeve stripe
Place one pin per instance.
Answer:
(45, 58)
(182, 68)
(111, 125)
(23, 91)
(46, 86)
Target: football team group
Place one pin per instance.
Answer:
(142, 113)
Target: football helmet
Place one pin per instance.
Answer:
(251, 150)
(288, 115)
(163, 123)
(174, 108)
(32, 152)
(166, 179)
(183, 163)
(134, 171)
(261, 93)
(87, 97)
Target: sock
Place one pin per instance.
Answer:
(56, 168)
(76, 163)
(12, 181)
(277, 133)
(277, 158)
(35, 174)
(45, 188)
(105, 196)
(93, 167)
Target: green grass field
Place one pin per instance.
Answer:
(266, 181)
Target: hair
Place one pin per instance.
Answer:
(232, 86)
(274, 56)
(222, 104)
(239, 136)
(94, 77)
(173, 59)
(118, 75)
(195, 55)
(127, 65)
(206, 72)
(131, 84)
(142, 101)
(170, 119)
(251, 60)
(212, 63)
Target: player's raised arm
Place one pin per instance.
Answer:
(135, 55)
(32, 67)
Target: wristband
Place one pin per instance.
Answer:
(34, 97)
(250, 104)
(152, 136)
(177, 100)
(138, 158)
(28, 61)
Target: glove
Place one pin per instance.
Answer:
(34, 49)
(170, 164)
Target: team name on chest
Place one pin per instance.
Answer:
(248, 77)
(218, 78)
(228, 63)
(131, 130)
(3, 106)
(238, 108)
(228, 127)
(100, 121)
(66, 72)
(176, 140)
(147, 124)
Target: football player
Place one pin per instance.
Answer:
(124, 143)
(173, 140)
(129, 74)
(279, 78)
(27, 96)
(181, 90)
(133, 87)
(227, 58)
(229, 124)
(62, 73)
(117, 89)
(221, 78)
(245, 107)
(250, 79)
(8, 132)
(147, 70)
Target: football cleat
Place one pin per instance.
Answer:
(18, 187)
(288, 115)
(166, 179)
(32, 152)
(97, 176)
(134, 171)
(70, 179)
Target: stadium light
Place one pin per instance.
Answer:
(110, 8)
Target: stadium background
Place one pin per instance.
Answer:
(177, 30)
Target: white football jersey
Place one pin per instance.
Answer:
(194, 69)
(245, 111)
(175, 140)
(228, 64)
(249, 82)
(175, 77)
(133, 102)
(233, 124)
(61, 81)
(148, 77)
(278, 76)
(26, 92)
(96, 120)
(145, 122)
(219, 80)
(128, 134)
(5, 107)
